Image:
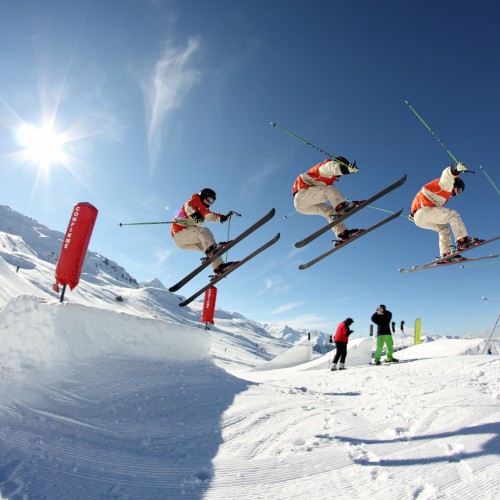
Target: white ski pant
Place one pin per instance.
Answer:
(196, 238)
(441, 219)
(313, 201)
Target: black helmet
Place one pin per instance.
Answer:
(349, 321)
(459, 184)
(208, 194)
(342, 160)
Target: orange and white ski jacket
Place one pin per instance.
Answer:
(324, 173)
(435, 193)
(183, 218)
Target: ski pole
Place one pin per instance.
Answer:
(489, 178)
(388, 211)
(370, 206)
(431, 131)
(479, 264)
(231, 213)
(145, 223)
(435, 136)
(291, 134)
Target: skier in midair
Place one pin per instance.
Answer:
(428, 211)
(187, 231)
(313, 190)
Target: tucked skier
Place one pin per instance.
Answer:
(428, 211)
(341, 339)
(313, 190)
(187, 231)
(382, 318)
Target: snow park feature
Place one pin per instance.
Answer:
(209, 307)
(74, 246)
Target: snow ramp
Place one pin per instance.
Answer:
(100, 404)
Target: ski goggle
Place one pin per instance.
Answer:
(210, 200)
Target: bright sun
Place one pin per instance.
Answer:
(41, 145)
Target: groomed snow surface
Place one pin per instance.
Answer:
(133, 399)
(100, 404)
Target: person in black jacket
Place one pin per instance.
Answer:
(382, 318)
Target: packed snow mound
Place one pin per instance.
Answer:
(444, 348)
(301, 353)
(38, 334)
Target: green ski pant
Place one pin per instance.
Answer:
(389, 342)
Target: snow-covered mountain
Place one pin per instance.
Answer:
(31, 246)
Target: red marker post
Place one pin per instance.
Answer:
(209, 307)
(74, 246)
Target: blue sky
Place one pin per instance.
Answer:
(155, 100)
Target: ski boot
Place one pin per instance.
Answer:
(346, 206)
(346, 235)
(467, 242)
(222, 268)
(392, 360)
(216, 247)
(341, 366)
(456, 257)
(334, 368)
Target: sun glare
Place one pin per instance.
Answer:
(42, 145)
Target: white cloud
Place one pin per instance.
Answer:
(276, 285)
(171, 79)
(286, 307)
(163, 255)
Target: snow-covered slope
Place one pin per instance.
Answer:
(133, 398)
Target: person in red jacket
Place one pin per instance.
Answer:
(428, 212)
(314, 190)
(341, 339)
(187, 231)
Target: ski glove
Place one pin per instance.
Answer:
(458, 169)
(197, 217)
(349, 169)
(224, 218)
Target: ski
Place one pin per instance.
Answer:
(231, 244)
(439, 262)
(341, 218)
(230, 270)
(443, 264)
(350, 240)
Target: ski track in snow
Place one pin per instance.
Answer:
(336, 431)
